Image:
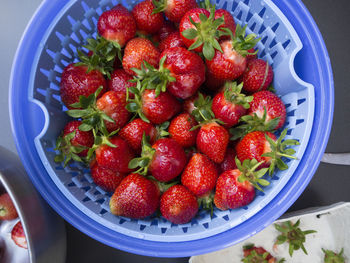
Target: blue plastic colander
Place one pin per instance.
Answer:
(290, 42)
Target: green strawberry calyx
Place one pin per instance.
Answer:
(206, 202)
(232, 93)
(253, 123)
(104, 53)
(333, 257)
(278, 150)
(207, 33)
(135, 104)
(292, 234)
(254, 257)
(146, 158)
(250, 173)
(159, 6)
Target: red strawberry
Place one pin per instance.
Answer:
(252, 55)
(178, 205)
(137, 51)
(172, 40)
(200, 175)
(117, 25)
(166, 29)
(189, 103)
(105, 178)
(73, 143)
(113, 104)
(133, 131)
(116, 158)
(229, 105)
(119, 81)
(272, 104)
(258, 76)
(18, 236)
(212, 140)
(76, 82)
(231, 63)
(165, 159)
(266, 148)
(188, 70)
(211, 83)
(174, 9)
(180, 130)
(135, 197)
(229, 162)
(146, 20)
(153, 108)
(257, 254)
(229, 21)
(7, 208)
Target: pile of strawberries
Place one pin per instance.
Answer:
(173, 111)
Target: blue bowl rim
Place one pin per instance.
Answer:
(302, 21)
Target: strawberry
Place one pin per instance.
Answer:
(114, 154)
(258, 254)
(166, 29)
(136, 52)
(189, 103)
(211, 83)
(76, 82)
(229, 162)
(178, 205)
(73, 143)
(117, 25)
(135, 197)
(146, 19)
(153, 108)
(235, 188)
(106, 114)
(172, 40)
(7, 208)
(174, 10)
(200, 175)
(229, 105)
(200, 31)
(105, 178)
(267, 112)
(119, 81)
(257, 76)
(165, 160)
(252, 55)
(18, 236)
(331, 256)
(266, 148)
(180, 130)
(231, 62)
(133, 131)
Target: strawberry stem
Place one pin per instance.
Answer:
(242, 43)
(232, 93)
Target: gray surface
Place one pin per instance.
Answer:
(330, 183)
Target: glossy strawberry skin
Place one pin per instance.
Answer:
(172, 40)
(166, 29)
(188, 69)
(145, 20)
(229, 162)
(200, 175)
(135, 197)
(253, 145)
(159, 109)
(176, 9)
(138, 50)
(7, 208)
(115, 158)
(132, 133)
(227, 111)
(229, 21)
(178, 205)
(119, 81)
(113, 103)
(228, 65)
(18, 235)
(257, 76)
(117, 25)
(81, 138)
(212, 83)
(76, 82)
(272, 103)
(168, 160)
(212, 140)
(180, 127)
(105, 178)
(185, 24)
(230, 193)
